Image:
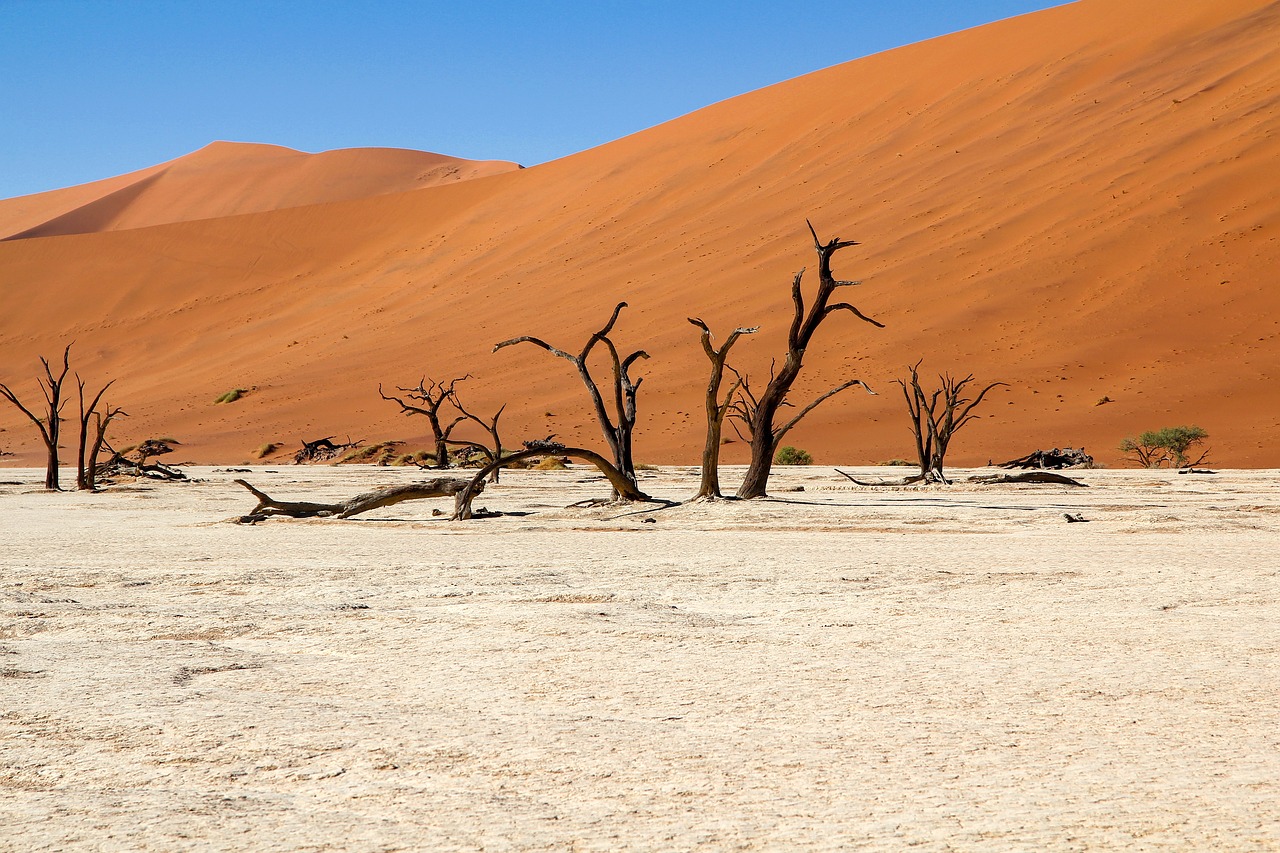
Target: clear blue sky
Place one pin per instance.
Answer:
(94, 89)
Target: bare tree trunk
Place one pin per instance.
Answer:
(717, 409)
(623, 487)
(764, 435)
(934, 418)
(617, 434)
(429, 397)
(490, 426)
(50, 426)
(85, 472)
(364, 502)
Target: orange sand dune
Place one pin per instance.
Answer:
(229, 178)
(1080, 202)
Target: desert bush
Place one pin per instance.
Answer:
(382, 453)
(896, 463)
(1166, 446)
(551, 463)
(231, 396)
(788, 455)
(266, 450)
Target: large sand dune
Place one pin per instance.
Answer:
(1080, 202)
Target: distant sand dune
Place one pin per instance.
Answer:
(1080, 202)
(230, 178)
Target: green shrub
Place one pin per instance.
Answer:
(266, 450)
(789, 455)
(550, 463)
(231, 396)
(897, 463)
(1166, 446)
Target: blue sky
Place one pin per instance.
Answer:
(94, 89)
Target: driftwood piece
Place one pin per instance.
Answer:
(1040, 477)
(437, 488)
(1069, 457)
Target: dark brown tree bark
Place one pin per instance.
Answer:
(490, 426)
(50, 426)
(717, 408)
(765, 436)
(624, 488)
(619, 427)
(85, 472)
(101, 422)
(427, 399)
(936, 417)
(364, 502)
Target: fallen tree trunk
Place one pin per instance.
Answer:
(622, 485)
(1069, 457)
(905, 481)
(1027, 477)
(985, 479)
(437, 488)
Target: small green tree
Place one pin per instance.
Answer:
(1167, 446)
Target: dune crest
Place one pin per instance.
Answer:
(1078, 202)
(231, 178)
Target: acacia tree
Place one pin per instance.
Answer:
(50, 425)
(936, 416)
(758, 414)
(619, 426)
(427, 399)
(87, 456)
(1167, 446)
(490, 426)
(717, 408)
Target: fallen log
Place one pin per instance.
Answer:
(1027, 477)
(905, 481)
(437, 488)
(1069, 457)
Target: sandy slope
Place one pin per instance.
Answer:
(230, 178)
(842, 669)
(1079, 202)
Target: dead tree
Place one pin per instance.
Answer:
(102, 420)
(619, 427)
(1068, 457)
(364, 502)
(764, 434)
(427, 399)
(50, 425)
(936, 417)
(121, 463)
(624, 488)
(717, 408)
(322, 449)
(490, 426)
(86, 466)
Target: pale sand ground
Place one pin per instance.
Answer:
(837, 668)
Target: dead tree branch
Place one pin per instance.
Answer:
(804, 323)
(363, 502)
(50, 426)
(619, 426)
(623, 487)
(427, 399)
(936, 417)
